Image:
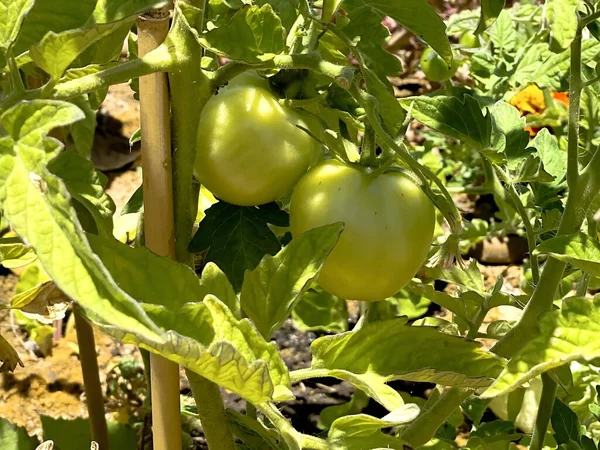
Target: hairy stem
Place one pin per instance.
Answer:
(531, 240)
(211, 412)
(549, 387)
(421, 431)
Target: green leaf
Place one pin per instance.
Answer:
(56, 51)
(253, 433)
(206, 338)
(135, 204)
(13, 253)
(409, 304)
(464, 305)
(553, 158)
(285, 9)
(369, 34)
(85, 185)
(462, 120)
(8, 356)
(168, 283)
(237, 237)
(528, 63)
(566, 335)
(565, 423)
(362, 431)
(474, 408)
(270, 291)
(510, 139)
(503, 33)
(30, 121)
(394, 351)
(576, 249)
(201, 331)
(471, 278)
(259, 28)
(561, 16)
(420, 18)
(38, 207)
(83, 131)
(318, 310)
(490, 10)
(13, 12)
(45, 17)
(552, 73)
(496, 431)
(357, 403)
(15, 438)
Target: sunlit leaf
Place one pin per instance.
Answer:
(561, 16)
(86, 185)
(13, 253)
(270, 291)
(392, 350)
(56, 51)
(200, 331)
(357, 403)
(577, 249)
(362, 431)
(259, 28)
(566, 335)
(12, 12)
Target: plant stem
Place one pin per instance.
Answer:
(574, 106)
(211, 412)
(158, 216)
(450, 211)
(191, 90)
(423, 429)
(16, 81)
(549, 387)
(368, 150)
(342, 75)
(158, 60)
(91, 380)
(531, 240)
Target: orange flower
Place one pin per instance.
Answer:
(561, 97)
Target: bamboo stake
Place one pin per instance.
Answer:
(91, 380)
(158, 217)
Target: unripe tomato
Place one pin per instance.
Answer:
(469, 40)
(435, 68)
(250, 149)
(389, 224)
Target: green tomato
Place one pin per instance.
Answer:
(251, 150)
(388, 229)
(435, 68)
(469, 40)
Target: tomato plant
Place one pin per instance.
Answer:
(251, 149)
(388, 228)
(464, 220)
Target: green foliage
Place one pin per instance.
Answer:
(237, 237)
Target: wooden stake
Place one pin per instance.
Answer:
(158, 216)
